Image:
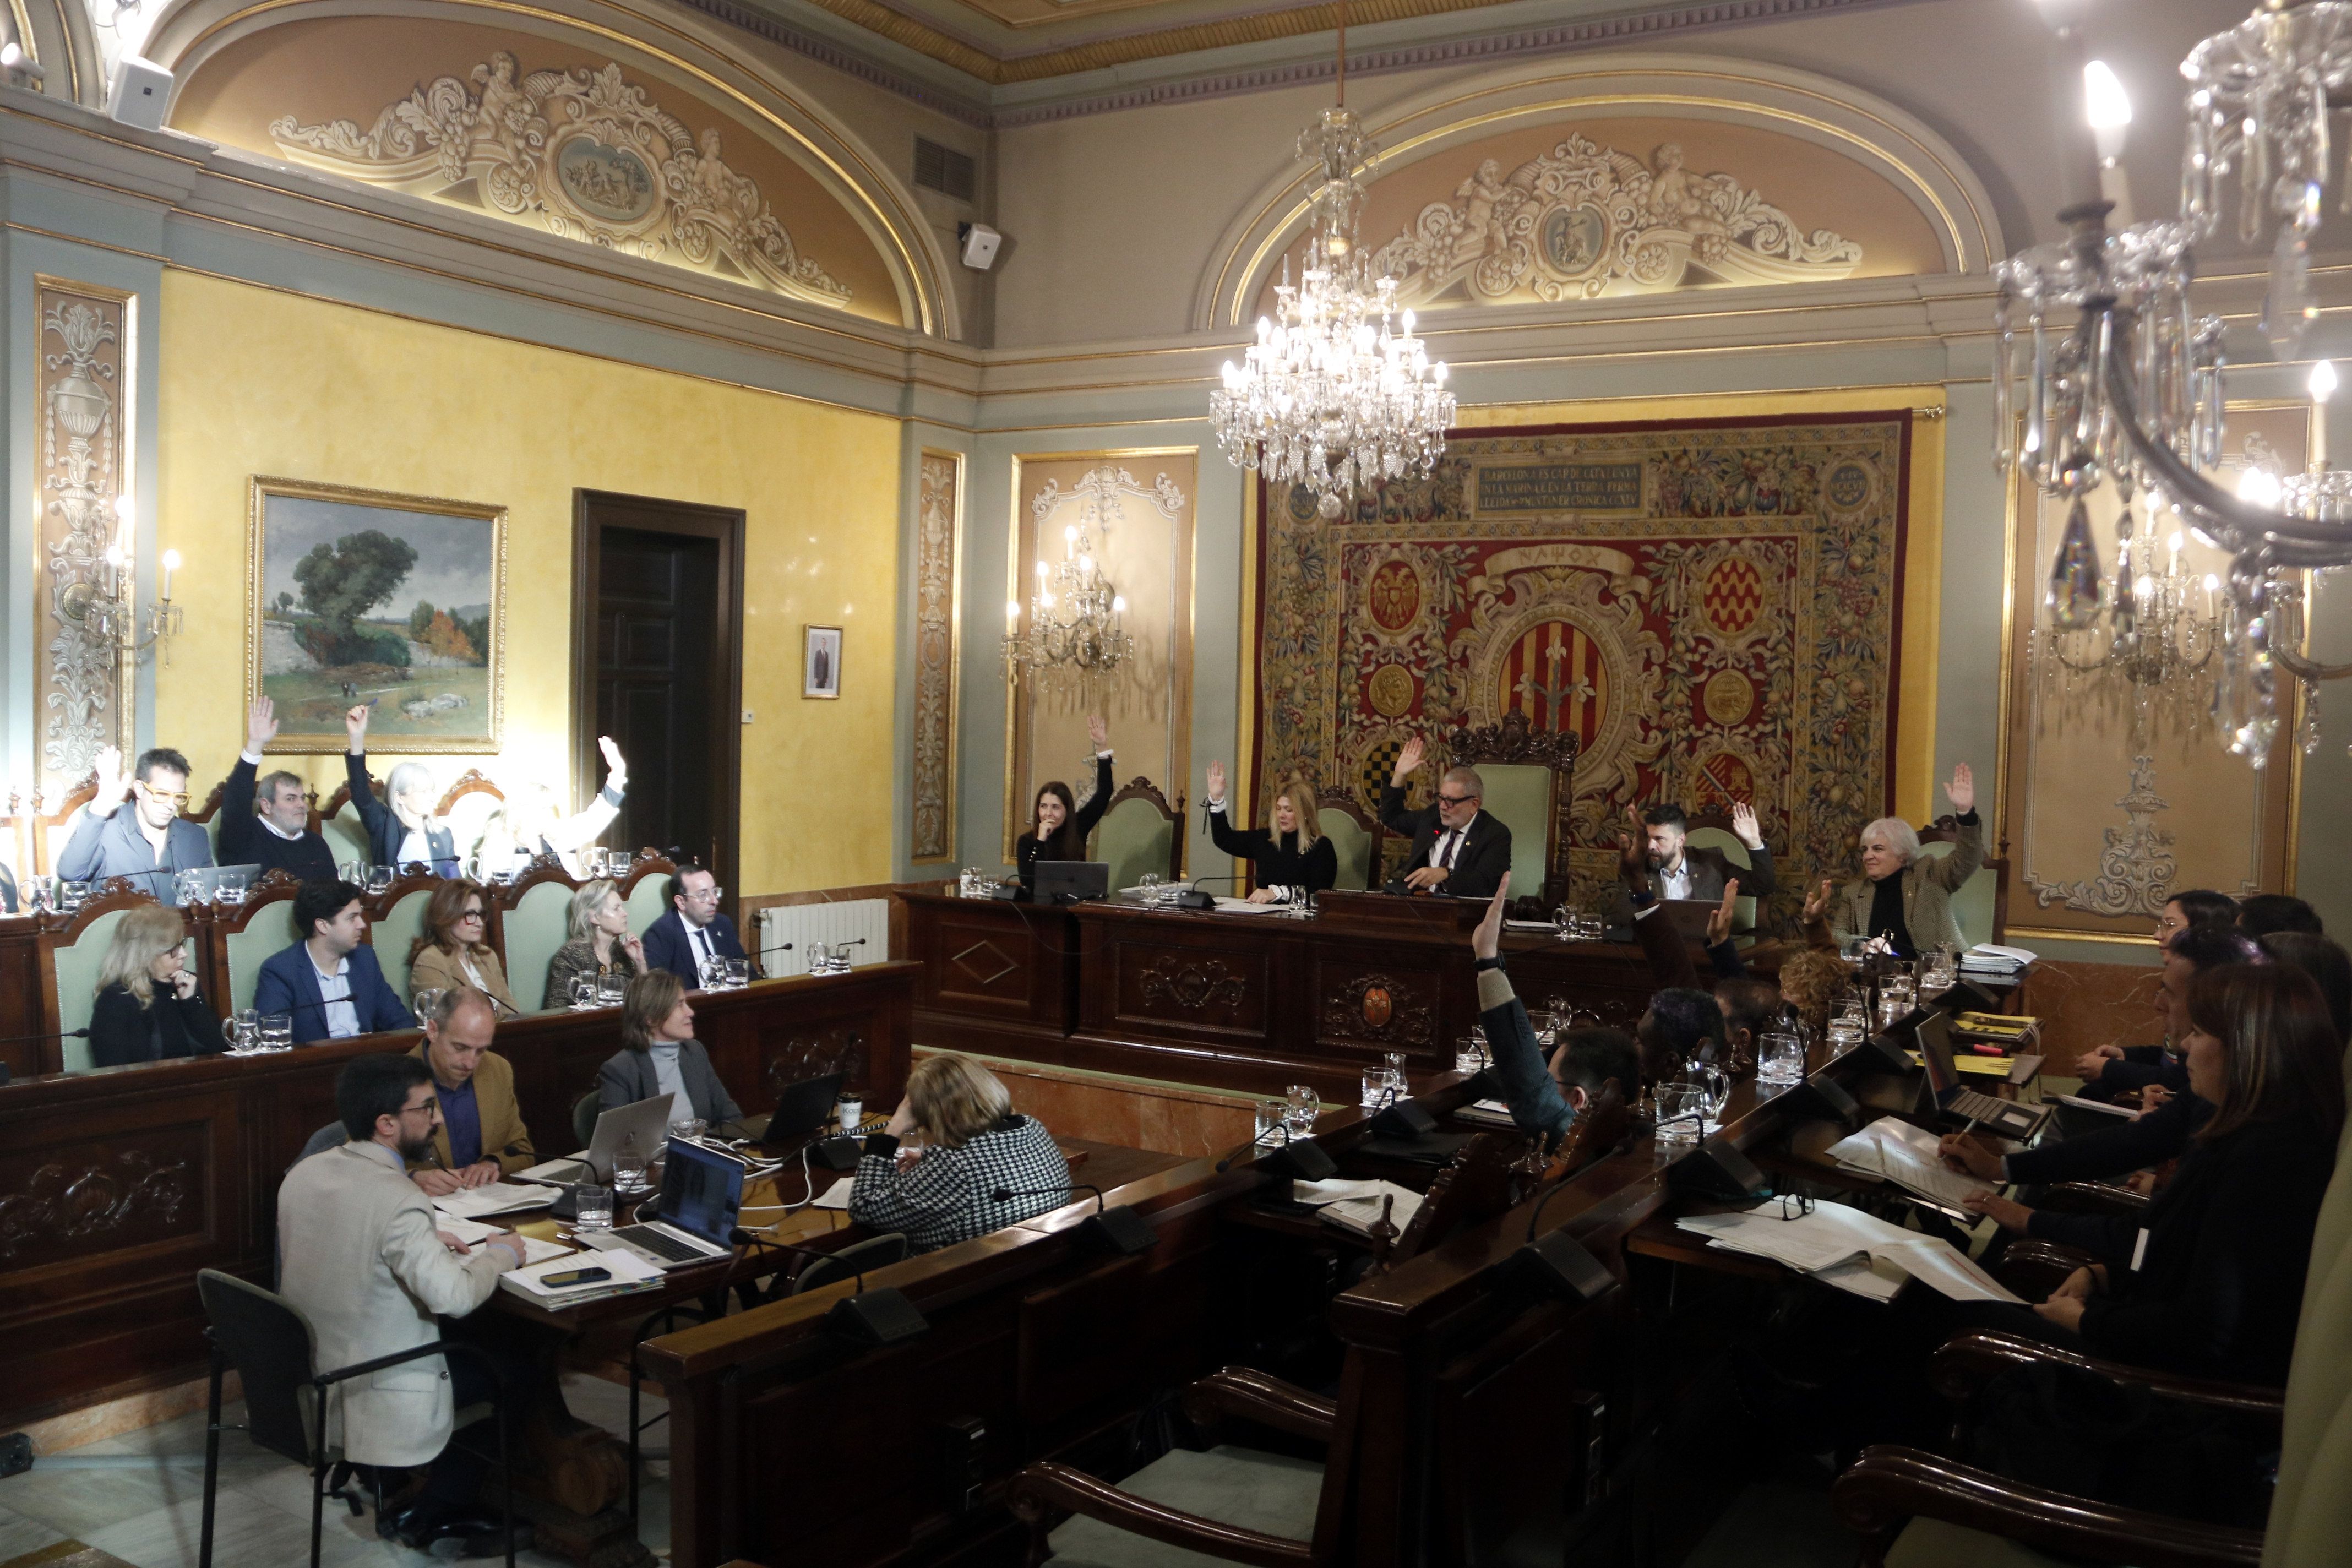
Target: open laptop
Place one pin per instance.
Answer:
(701, 1194)
(801, 1109)
(1071, 881)
(646, 1121)
(2005, 1116)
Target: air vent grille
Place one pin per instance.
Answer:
(943, 169)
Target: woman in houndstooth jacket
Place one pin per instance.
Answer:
(979, 1147)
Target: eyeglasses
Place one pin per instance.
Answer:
(1456, 799)
(152, 793)
(468, 915)
(1795, 1206)
(427, 1106)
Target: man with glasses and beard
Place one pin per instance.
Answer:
(151, 842)
(364, 1261)
(1456, 847)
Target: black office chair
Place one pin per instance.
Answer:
(330, 1136)
(874, 1252)
(583, 1118)
(271, 1344)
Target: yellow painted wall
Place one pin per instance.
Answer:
(256, 382)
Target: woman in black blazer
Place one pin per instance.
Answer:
(147, 1009)
(1057, 826)
(1292, 859)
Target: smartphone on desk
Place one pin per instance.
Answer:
(575, 1277)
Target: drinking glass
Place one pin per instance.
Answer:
(1272, 1116)
(1680, 1106)
(581, 992)
(612, 989)
(714, 973)
(246, 1030)
(425, 1001)
(593, 862)
(70, 895)
(593, 1208)
(184, 885)
(691, 1129)
(1780, 1057)
(379, 877)
(1845, 1034)
(738, 973)
(1850, 946)
(1395, 1064)
(1714, 1086)
(819, 956)
(1301, 1108)
(277, 1031)
(1376, 1089)
(232, 887)
(1469, 1054)
(629, 1172)
(41, 893)
(1151, 883)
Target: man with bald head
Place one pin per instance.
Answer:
(481, 1136)
(1457, 848)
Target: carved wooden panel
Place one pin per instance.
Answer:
(979, 962)
(64, 1201)
(1198, 987)
(938, 525)
(1218, 991)
(1387, 1007)
(802, 1055)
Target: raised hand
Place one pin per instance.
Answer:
(1216, 781)
(1488, 940)
(1633, 850)
(616, 766)
(113, 783)
(1743, 823)
(1817, 904)
(1962, 790)
(1098, 731)
(355, 724)
(260, 725)
(1718, 921)
(1408, 760)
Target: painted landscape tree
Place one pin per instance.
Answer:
(341, 583)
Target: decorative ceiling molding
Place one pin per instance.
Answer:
(990, 71)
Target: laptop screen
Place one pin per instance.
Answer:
(701, 1191)
(1936, 1050)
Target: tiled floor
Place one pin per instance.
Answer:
(140, 1498)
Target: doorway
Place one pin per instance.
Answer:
(656, 617)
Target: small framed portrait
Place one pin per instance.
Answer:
(821, 661)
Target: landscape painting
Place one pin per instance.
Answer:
(395, 601)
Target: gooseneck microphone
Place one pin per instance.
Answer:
(1119, 1230)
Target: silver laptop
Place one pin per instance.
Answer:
(647, 1122)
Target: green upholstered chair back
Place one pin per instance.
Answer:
(211, 827)
(535, 927)
(76, 966)
(648, 901)
(1743, 917)
(466, 815)
(1134, 837)
(1973, 904)
(1352, 845)
(1518, 794)
(400, 926)
(346, 836)
(271, 930)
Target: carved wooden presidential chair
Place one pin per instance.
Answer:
(1140, 832)
(1530, 778)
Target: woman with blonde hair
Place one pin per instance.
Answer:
(600, 941)
(148, 1008)
(659, 1055)
(452, 951)
(1290, 856)
(979, 1147)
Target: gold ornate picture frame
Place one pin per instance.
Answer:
(357, 595)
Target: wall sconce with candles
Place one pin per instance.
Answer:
(103, 604)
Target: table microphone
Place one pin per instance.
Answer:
(869, 1318)
(1191, 898)
(1119, 1230)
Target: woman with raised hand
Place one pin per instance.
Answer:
(1290, 856)
(1057, 824)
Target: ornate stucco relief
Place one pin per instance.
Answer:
(938, 507)
(2136, 868)
(84, 386)
(1584, 220)
(582, 152)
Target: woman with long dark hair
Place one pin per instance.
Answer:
(1057, 824)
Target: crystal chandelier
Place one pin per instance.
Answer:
(2131, 394)
(1074, 631)
(1332, 397)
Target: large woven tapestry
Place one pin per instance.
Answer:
(1712, 607)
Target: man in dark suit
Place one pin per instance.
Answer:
(270, 829)
(331, 980)
(1680, 870)
(146, 840)
(693, 930)
(1456, 847)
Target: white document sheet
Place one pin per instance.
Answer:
(836, 1196)
(1832, 1240)
(626, 1268)
(1910, 1157)
(499, 1197)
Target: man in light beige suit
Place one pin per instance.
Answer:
(364, 1261)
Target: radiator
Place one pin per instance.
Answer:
(802, 924)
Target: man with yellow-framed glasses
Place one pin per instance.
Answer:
(148, 842)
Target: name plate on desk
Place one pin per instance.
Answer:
(1426, 914)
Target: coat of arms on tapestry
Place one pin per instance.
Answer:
(1712, 607)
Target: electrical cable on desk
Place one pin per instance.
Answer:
(808, 1186)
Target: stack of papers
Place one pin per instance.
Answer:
(629, 1273)
(1995, 962)
(1226, 906)
(1842, 1247)
(475, 1234)
(1355, 1205)
(499, 1197)
(570, 1168)
(1910, 1157)
(1487, 1113)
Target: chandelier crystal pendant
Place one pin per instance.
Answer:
(1336, 394)
(2130, 394)
(1075, 631)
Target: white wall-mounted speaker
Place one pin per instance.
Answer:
(980, 243)
(138, 93)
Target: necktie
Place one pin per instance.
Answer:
(1452, 847)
